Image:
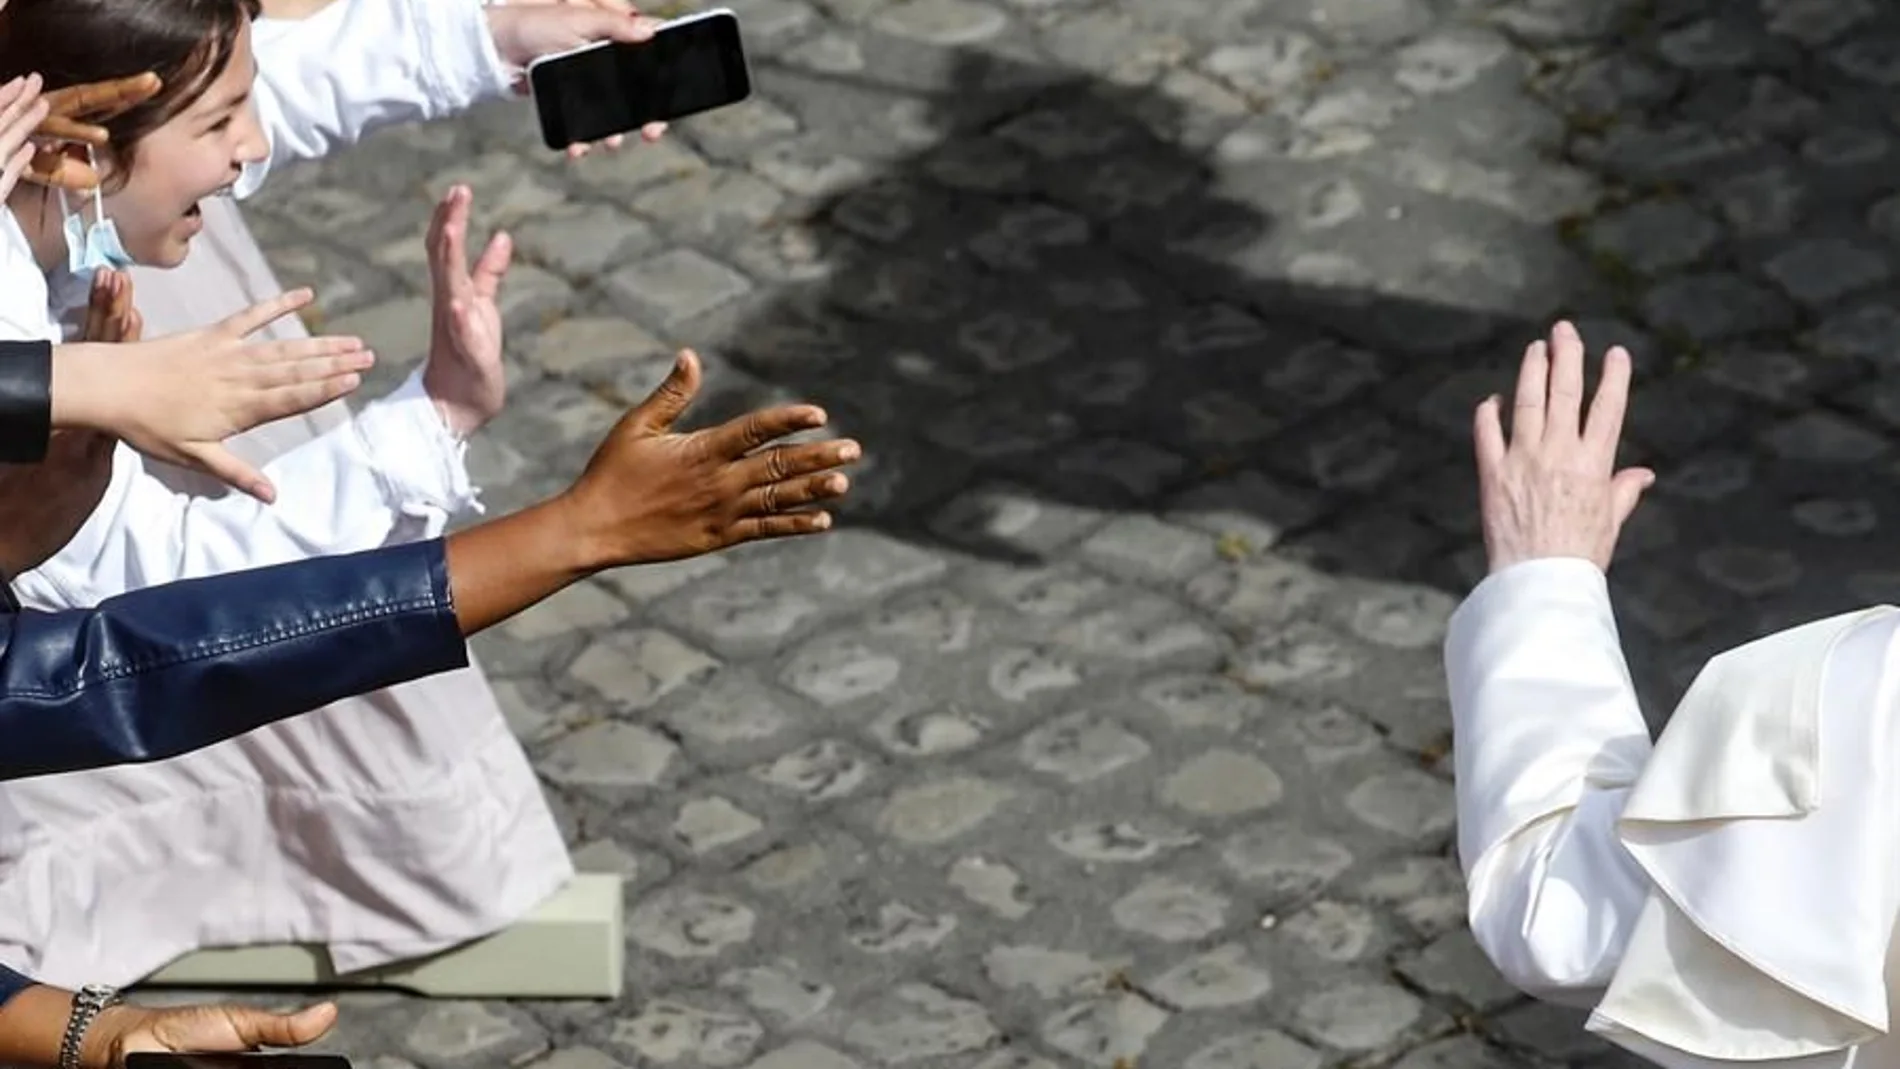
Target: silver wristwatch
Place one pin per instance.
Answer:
(86, 1005)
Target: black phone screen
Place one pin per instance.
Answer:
(688, 68)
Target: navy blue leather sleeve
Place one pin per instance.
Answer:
(166, 670)
(11, 984)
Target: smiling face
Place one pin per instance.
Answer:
(196, 153)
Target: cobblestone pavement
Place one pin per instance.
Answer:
(1110, 729)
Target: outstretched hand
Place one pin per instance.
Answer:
(1552, 489)
(653, 494)
(178, 398)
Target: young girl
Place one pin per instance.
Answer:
(382, 831)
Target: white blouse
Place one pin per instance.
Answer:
(395, 473)
(382, 828)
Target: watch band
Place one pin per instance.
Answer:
(87, 1004)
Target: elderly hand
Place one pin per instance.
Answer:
(525, 30)
(1553, 489)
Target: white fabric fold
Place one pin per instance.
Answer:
(1727, 895)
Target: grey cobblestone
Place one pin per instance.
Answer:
(1454, 965)
(468, 1034)
(1110, 724)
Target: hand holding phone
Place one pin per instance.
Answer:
(170, 1037)
(691, 65)
(155, 1060)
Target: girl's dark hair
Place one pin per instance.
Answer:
(188, 43)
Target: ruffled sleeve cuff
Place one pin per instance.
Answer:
(420, 463)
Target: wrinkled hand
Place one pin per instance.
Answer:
(525, 30)
(73, 115)
(1552, 490)
(651, 494)
(111, 317)
(46, 503)
(464, 374)
(186, 393)
(214, 1029)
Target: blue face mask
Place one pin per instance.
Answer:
(89, 248)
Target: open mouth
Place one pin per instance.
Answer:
(197, 209)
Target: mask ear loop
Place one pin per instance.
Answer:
(98, 195)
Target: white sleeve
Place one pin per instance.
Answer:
(326, 81)
(392, 474)
(23, 295)
(1548, 740)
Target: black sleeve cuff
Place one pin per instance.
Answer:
(26, 400)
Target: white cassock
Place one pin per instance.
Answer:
(1727, 895)
(385, 827)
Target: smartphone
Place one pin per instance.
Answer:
(692, 64)
(148, 1060)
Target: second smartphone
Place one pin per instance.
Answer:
(691, 65)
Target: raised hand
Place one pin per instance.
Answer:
(1552, 489)
(653, 494)
(73, 115)
(293, 9)
(464, 374)
(111, 316)
(179, 397)
(75, 112)
(22, 109)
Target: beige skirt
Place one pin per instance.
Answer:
(386, 826)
